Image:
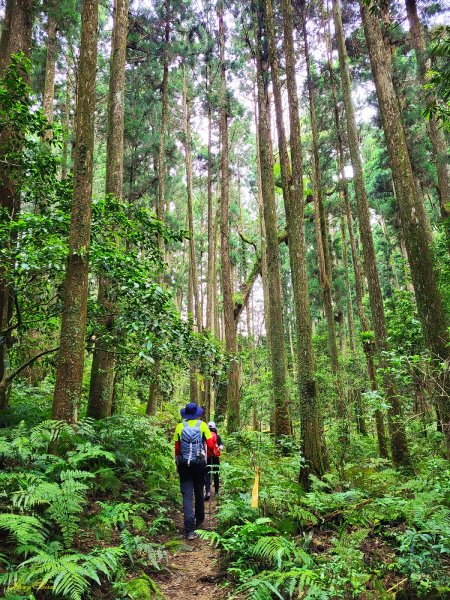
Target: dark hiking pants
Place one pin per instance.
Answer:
(212, 472)
(192, 481)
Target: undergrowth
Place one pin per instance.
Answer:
(80, 506)
(373, 534)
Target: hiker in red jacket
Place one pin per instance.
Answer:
(213, 461)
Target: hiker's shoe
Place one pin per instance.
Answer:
(207, 497)
(192, 536)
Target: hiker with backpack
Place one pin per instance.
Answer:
(192, 440)
(213, 461)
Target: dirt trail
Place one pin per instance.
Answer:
(194, 570)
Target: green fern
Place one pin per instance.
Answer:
(69, 575)
(27, 531)
(65, 500)
(48, 432)
(87, 452)
(138, 548)
(113, 514)
(279, 550)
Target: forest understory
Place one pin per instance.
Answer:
(243, 206)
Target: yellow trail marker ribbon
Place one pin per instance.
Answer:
(255, 490)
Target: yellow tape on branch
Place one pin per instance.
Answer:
(255, 490)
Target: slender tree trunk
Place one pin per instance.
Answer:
(429, 302)
(350, 321)
(66, 131)
(190, 214)
(436, 135)
(210, 284)
(399, 446)
(275, 328)
(262, 226)
(193, 387)
(50, 64)
(160, 204)
(211, 272)
(319, 210)
(15, 37)
(154, 395)
(153, 392)
(390, 256)
(69, 374)
(312, 441)
(226, 272)
(104, 360)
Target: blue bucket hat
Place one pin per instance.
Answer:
(191, 411)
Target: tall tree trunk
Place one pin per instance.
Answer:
(69, 373)
(66, 130)
(211, 271)
(320, 215)
(193, 383)
(359, 283)
(429, 303)
(160, 204)
(312, 442)
(399, 446)
(50, 64)
(154, 395)
(226, 272)
(210, 283)
(275, 330)
(436, 135)
(15, 37)
(16, 31)
(190, 214)
(103, 362)
(262, 226)
(350, 321)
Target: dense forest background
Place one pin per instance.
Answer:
(245, 205)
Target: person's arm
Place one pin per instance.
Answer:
(219, 442)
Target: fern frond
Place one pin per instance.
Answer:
(75, 474)
(42, 435)
(137, 546)
(113, 514)
(25, 529)
(70, 574)
(86, 452)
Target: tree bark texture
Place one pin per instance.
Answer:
(399, 445)
(50, 64)
(190, 214)
(15, 37)
(436, 135)
(275, 329)
(312, 442)
(160, 204)
(233, 391)
(319, 212)
(69, 374)
(103, 362)
(429, 302)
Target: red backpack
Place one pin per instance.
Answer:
(215, 451)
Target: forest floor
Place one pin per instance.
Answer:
(194, 567)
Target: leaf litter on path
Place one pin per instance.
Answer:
(194, 567)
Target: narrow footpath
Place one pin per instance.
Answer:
(194, 568)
